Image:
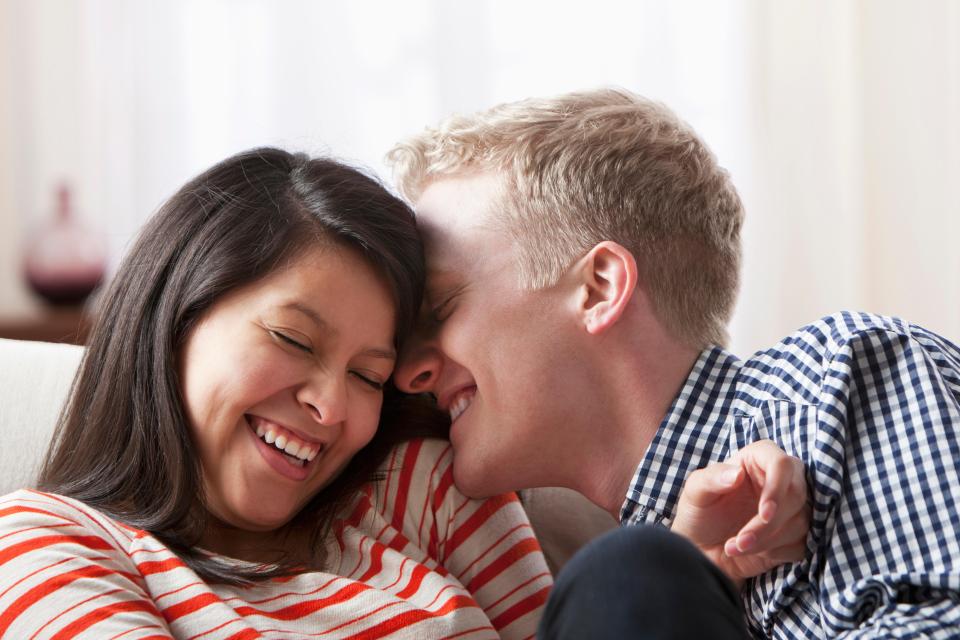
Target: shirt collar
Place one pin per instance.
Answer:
(693, 434)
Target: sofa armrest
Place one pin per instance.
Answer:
(564, 521)
(35, 378)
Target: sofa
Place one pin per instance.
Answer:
(35, 379)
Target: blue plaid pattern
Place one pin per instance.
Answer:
(872, 407)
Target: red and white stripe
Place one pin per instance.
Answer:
(411, 558)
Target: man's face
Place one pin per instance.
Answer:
(488, 350)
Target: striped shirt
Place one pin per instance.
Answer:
(871, 405)
(411, 558)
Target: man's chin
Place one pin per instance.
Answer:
(475, 483)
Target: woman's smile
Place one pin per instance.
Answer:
(297, 445)
(287, 454)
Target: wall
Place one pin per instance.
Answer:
(836, 119)
(11, 294)
(854, 131)
(911, 159)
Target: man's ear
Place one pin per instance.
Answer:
(607, 278)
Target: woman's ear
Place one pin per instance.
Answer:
(607, 279)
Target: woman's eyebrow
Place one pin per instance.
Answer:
(386, 354)
(310, 313)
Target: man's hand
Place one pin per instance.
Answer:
(748, 514)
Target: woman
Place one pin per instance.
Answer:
(219, 470)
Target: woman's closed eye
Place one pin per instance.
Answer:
(296, 344)
(368, 380)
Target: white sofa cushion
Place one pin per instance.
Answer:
(35, 378)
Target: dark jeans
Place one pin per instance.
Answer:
(642, 582)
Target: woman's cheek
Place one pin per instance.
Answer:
(278, 372)
(371, 421)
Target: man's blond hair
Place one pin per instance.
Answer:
(591, 166)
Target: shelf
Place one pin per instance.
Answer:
(51, 324)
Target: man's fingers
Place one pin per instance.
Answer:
(771, 468)
(762, 537)
(791, 499)
(705, 486)
(782, 482)
(773, 557)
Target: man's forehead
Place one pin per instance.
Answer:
(450, 258)
(460, 201)
(456, 217)
(439, 242)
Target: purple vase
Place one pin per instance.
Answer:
(64, 261)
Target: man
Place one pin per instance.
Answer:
(583, 257)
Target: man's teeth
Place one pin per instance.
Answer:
(302, 451)
(459, 406)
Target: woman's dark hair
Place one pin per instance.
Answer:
(122, 444)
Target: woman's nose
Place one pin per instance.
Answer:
(325, 398)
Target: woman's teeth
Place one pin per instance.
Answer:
(301, 452)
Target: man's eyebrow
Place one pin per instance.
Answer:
(323, 325)
(440, 277)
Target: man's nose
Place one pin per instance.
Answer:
(418, 367)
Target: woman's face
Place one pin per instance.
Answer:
(282, 384)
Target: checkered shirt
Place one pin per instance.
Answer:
(871, 405)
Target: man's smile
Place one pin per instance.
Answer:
(458, 402)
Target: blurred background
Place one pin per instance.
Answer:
(838, 119)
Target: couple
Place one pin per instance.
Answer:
(220, 471)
